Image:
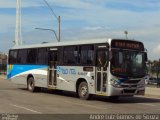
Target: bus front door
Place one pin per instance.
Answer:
(101, 71)
(52, 72)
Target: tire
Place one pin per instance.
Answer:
(31, 85)
(83, 91)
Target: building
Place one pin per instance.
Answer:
(3, 63)
(3, 58)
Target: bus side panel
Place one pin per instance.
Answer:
(15, 74)
(21, 79)
(41, 78)
(68, 76)
(19, 73)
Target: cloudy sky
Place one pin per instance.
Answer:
(83, 19)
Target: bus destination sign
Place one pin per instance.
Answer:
(127, 44)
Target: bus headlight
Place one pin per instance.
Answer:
(115, 83)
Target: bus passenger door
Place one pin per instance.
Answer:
(52, 72)
(101, 70)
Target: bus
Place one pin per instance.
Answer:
(107, 67)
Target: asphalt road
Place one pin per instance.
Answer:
(17, 100)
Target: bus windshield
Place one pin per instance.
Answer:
(128, 63)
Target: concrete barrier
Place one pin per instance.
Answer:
(152, 91)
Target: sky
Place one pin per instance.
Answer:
(83, 19)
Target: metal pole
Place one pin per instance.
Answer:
(58, 19)
(59, 28)
(50, 30)
(18, 36)
(126, 32)
(16, 42)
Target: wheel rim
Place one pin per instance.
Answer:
(30, 85)
(84, 91)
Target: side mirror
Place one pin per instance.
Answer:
(145, 56)
(110, 55)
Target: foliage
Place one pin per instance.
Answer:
(153, 67)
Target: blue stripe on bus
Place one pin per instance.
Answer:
(17, 69)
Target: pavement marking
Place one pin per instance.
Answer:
(147, 104)
(26, 108)
(86, 105)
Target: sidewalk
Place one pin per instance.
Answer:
(152, 91)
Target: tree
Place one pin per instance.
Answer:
(149, 65)
(156, 68)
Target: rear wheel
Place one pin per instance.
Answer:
(31, 85)
(83, 91)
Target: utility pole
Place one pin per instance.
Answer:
(18, 36)
(58, 19)
(59, 28)
(126, 33)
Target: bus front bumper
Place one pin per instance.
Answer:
(114, 91)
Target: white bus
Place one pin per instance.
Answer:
(111, 67)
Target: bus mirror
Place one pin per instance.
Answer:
(110, 55)
(145, 56)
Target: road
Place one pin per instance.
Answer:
(17, 100)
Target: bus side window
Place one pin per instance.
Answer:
(42, 56)
(70, 55)
(52, 56)
(13, 57)
(32, 55)
(87, 55)
(22, 56)
(60, 56)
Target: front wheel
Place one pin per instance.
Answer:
(83, 91)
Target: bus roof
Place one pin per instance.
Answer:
(66, 43)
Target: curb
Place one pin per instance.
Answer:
(151, 95)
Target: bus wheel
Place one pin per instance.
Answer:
(83, 92)
(31, 85)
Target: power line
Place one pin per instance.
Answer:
(58, 19)
(51, 9)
